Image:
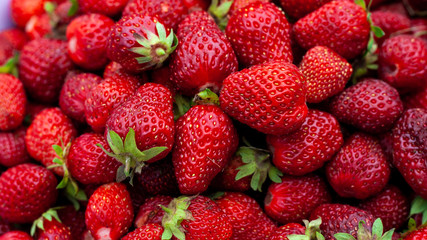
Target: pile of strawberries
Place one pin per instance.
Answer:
(199, 120)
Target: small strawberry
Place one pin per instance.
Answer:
(146, 232)
(340, 25)
(416, 99)
(12, 148)
(12, 102)
(151, 211)
(16, 235)
(370, 105)
(140, 43)
(284, 231)
(158, 178)
(109, 213)
(27, 191)
(389, 22)
(269, 97)
(360, 169)
(246, 217)
(297, 9)
(105, 7)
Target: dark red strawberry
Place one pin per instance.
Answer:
(308, 148)
(282, 232)
(5, 227)
(16, 37)
(158, 178)
(146, 232)
(402, 62)
(410, 148)
(226, 180)
(395, 7)
(260, 33)
(416, 99)
(194, 20)
(16, 235)
(371, 105)
(73, 219)
(340, 25)
(109, 213)
(12, 102)
(53, 230)
(43, 66)
(360, 169)
(389, 22)
(297, 9)
(162, 76)
(248, 220)
(151, 211)
(27, 191)
(105, 7)
(269, 97)
(12, 148)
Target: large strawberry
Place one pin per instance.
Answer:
(269, 97)
(105, 7)
(146, 232)
(27, 191)
(260, 33)
(340, 25)
(12, 148)
(12, 102)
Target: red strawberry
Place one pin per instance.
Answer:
(114, 69)
(282, 232)
(50, 127)
(43, 66)
(6, 50)
(16, 235)
(238, 4)
(23, 10)
(416, 100)
(158, 178)
(410, 148)
(162, 76)
(308, 148)
(27, 191)
(395, 7)
(360, 169)
(326, 73)
(194, 20)
(341, 218)
(419, 234)
(105, 7)
(75, 220)
(371, 105)
(12, 102)
(248, 220)
(260, 33)
(39, 26)
(140, 43)
(16, 37)
(146, 232)
(269, 97)
(151, 211)
(226, 180)
(389, 22)
(196, 5)
(402, 61)
(12, 148)
(109, 213)
(340, 25)
(205, 141)
(87, 40)
(295, 198)
(297, 9)
(53, 230)
(391, 206)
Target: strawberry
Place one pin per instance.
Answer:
(27, 191)
(147, 232)
(171, 12)
(269, 97)
(6, 51)
(238, 4)
(16, 37)
(282, 232)
(337, 218)
(395, 7)
(248, 220)
(53, 229)
(140, 42)
(12, 102)
(23, 10)
(371, 105)
(410, 148)
(267, 34)
(326, 73)
(74, 220)
(226, 180)
(416, 100)
(109, 212)
(360, 169)
(391, 206)
(87, 163)
(16, 235)
(87, 40)
(196, 5)
(402, 62)
(39, 26)
(295, 198)
(195, 217)
(340, 25)
(114, 69)
(4, 227)
(74, 93)
(194, 20)
(162, 76)
(308, 148)
(158, 178)
(105, 7)
(50, 127)
(43, 66)
(12, 147)
(417, 234)
(297, 9)
(151, 211)
(389, 22)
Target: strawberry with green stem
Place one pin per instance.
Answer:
(364, 233)
(311, 232)
(50, 215)
(419, 205)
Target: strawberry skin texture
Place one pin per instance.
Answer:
(151, 211)
(6, 50)
(16, 235)
(50, 127)
(410, 148)
(205, 141)
(309, 147)
(252, 43)
(74, 220)
(194, 20)
(389, 22)
(226, 179)
(12, 147)
(109, 213)
(105, 7)
(16, 37)
(246, 216)
(360, 169)
(158, 178)
(340, 25)
(269, 97)
(402, 61)
(54, 230)
(371, 105)
(419, 234)
(297, 9)
(146, 232)
(416, 99)
(28, 190)
(340, 218)
(282, 232)
(295, 198)
(12, 102)
(326, 73)
(43, 66)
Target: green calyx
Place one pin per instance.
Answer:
(364, 234)
(419, 205)
(181, 106)
(220, 12)
(175, 213)
(155, 48)
(10, 66)
(48, 215)
(74, 8)
(127, 152)
(257, 163)
(312, 231)
(206, 97)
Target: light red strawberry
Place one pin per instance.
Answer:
(16, 235)
(238, 4)
(23, 10)
(39, 26)
(16, 37)
(12, 147)
(147, 232)
(151, 211)
(53, 230)
(6, 50)
(12, 102)
(105, 7)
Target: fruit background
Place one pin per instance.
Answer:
(213, 119)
